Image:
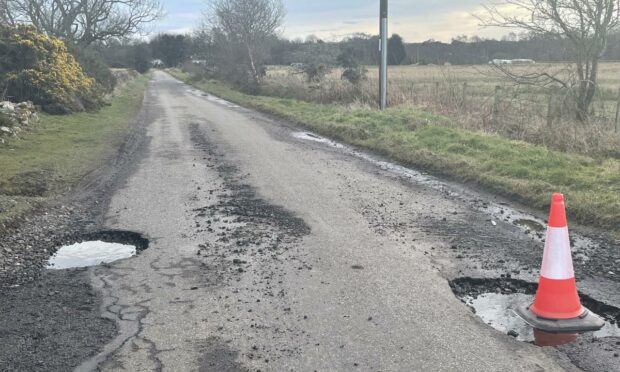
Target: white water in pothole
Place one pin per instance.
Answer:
(87, 254)
(498, 311)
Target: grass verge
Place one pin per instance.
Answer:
(60, 150)
(522, 171)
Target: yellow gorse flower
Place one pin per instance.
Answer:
(55, 73)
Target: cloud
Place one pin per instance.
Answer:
(415, 20)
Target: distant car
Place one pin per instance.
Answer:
(157, 63)
(499, 62)
(519, 61)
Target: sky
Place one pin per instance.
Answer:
(414, 20)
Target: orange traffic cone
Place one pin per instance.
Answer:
(557, 307)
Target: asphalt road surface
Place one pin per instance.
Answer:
(272, 252)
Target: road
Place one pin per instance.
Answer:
(274, 253)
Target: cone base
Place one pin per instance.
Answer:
(587, 322)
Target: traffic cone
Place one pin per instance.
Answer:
(557, 296)
(557, 307)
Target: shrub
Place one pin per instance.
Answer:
(353, 72)
(38, 68)
(94, 66)
(315, 72)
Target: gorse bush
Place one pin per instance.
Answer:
(38, 68)
(94, 66)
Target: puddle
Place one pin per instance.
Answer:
(530, 224)
(98, 248)
(200, 93)
(495, 301)
(90, 253)
(497, 310)
(535, 227)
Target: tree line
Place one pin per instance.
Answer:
(239, 38)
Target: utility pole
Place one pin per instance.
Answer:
(383, 73)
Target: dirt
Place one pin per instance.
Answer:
(51, 324)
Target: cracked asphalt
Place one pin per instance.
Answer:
(268, 253)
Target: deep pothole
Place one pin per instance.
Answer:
(495, 301)
(97, 248)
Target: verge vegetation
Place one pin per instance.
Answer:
(60, 150)
(520, 170)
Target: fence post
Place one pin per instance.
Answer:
(617, 129)
(550, 113)
(496, 104)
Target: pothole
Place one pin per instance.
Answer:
(530, 224)
(495, 301)
(98, 248)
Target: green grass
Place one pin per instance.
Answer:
(522, 171)
(61, 150)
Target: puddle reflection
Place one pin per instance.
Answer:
(89, 254)
(497, 310)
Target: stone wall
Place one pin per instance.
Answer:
(16, 117)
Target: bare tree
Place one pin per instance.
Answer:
(248, 23)
(586, 24)
(5, 16)
(84, 22)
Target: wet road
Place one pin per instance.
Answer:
(270, 252)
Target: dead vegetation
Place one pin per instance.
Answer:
(478, 98)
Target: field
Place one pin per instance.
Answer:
(478, 98)
(481, 78)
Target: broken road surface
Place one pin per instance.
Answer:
(271, 253)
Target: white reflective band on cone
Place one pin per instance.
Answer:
(557, 260)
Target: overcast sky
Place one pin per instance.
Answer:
(415, 20)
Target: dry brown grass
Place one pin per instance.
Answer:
(470, 96)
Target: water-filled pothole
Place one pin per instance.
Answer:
(97, 248)
(530, 224)
(494, 301)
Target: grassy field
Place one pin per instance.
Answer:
(482, 77)
(476, 98)
(60, 150)
(526, 172)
